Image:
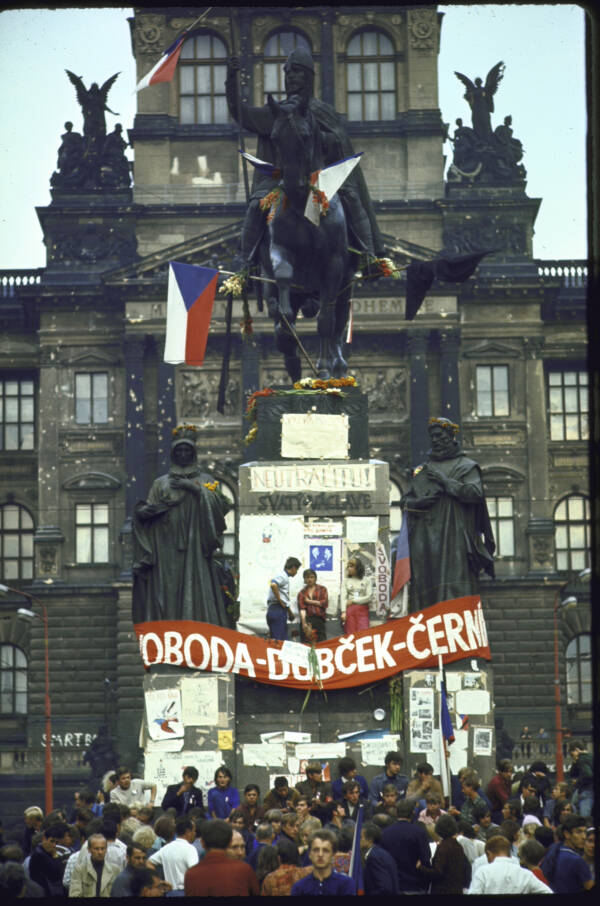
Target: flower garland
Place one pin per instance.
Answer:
(272, 201)
(315, 669)
(211, 485)
(306, 386)
(184, 430)
(381, 267)
(237, 285)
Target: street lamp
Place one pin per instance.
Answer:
(30, 615)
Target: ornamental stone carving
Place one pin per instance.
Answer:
(149, 34)
(483, 232)
(91, 244)
(422, 28)
(386, 389)
(199, 394)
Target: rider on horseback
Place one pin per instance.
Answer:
(299, 81)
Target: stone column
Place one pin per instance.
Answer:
(540, 528)
(135, 440)
(48, 538)
(166, 415)
(450, 389)
(419, 397)
(327, 58)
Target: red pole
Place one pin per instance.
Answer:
(560, 774)
(48, 753)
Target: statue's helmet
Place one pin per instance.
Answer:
(184, 434)
(444, 423)
(300, 57)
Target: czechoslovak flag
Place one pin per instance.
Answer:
(164, 70)
(190, 298)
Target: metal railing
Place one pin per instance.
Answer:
(526, 751)
(573, 273)
(11, 280)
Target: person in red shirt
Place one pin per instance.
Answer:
(218, 875)
(499, 788)
(312, 604)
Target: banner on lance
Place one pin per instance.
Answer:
(455, 629)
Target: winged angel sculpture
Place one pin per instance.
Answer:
(480, 98)
(93, 104)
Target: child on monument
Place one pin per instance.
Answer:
(356, 598)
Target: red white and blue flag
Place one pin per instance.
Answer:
(190, 298)
(402, 565)
(164, 70)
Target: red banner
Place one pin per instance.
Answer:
(455, 629)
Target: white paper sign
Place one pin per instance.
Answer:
(318, 750)
(373, 751)
(482, 741)
(263, 754)
(314, 435)
(473, 701)
(164, 745)
(200, 701)
(167, 767)
(163, 713)
(318, 528)
(362, 528)
(294, 653)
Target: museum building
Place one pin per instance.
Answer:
(87, 404)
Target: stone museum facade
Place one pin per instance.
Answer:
(88, 404)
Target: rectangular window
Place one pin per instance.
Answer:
(17, 413)
(91, 398)
(568, 404)
(91, 533)
(492, 390)
(503, 526)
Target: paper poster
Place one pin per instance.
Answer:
(200, 701)
(476, 701)
(320, 557)
(284, 736)
(482, 741)
(472, 681)
(373, 751)
(164, 745)
(453, 682)
(264, 755)
(294, 653)
(326, 768)
(316, 527)
(318, 751)
(164, 768)
(421, 718)
(362, 528)
(225, 740)
(314, 435)
(458, 751)
(433, 758)
(163, 713)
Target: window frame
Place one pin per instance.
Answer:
(91, 375)
(575, 661)
(571, 524)
(92, 504)
(21, 378)
(20, 531)
(582, 414)
(362, 59)
(496, 520)
(194, 62)
(278, 60)
(491, 366)
(14, 669)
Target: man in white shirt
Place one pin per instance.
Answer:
(179, 855)
(502, 875)
(128, 791)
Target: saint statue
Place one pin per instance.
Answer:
(178, 532)
(449, 532)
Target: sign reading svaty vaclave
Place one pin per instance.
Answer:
(455, 629)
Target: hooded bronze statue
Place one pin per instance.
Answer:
(449, 532)
(178, 533)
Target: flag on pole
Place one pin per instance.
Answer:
(447, 728)
(190, 297)
(446, 733)
(402, 565)
(356, 872)
(164, 70)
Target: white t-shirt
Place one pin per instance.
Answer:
(503, 877)
(176, 857)
(135, 793)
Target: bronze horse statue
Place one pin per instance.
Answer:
(311, 265)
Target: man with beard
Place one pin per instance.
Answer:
(449, 531)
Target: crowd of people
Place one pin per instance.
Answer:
(522, 834)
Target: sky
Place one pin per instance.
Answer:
(543, 89)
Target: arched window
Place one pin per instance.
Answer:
(571, 533)
(578, 657)
(277, 49)
(13, 680)
(16, 542)
(202, 72)
(371, 77)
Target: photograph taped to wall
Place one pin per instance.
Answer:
(321, 557)
(482, 741)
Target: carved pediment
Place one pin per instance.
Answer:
(91, 359)
(88, 481)
(491, 349)
(499, 473)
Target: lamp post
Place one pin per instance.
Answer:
(31, 615)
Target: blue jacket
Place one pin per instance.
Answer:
(400, 781)
(380, 873)
(408, 843)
